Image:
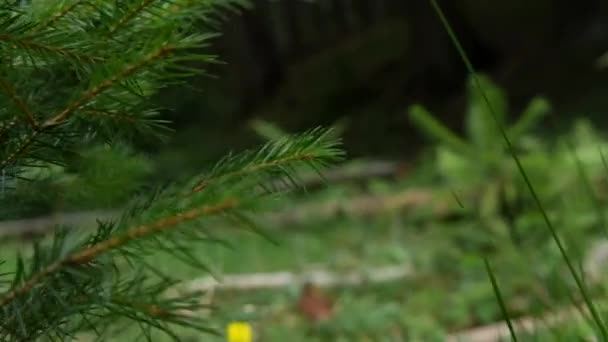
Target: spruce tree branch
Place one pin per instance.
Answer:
(60, 14)
(58, 51)
(88, 254)
(130, 15)
(253, 168)
(64, 115)
(12, 94)
(107, 114)
(31, 283)
(20, 150)
(93, 92)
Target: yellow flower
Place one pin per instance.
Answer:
(240, 332)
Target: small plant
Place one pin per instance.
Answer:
(594, 317)
(481, 160)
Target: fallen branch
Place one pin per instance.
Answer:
(360, 206)
(500, 331)
(32, 227)
(347, 173)
(322, 278)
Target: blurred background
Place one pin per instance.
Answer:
(392, 244)
(361, 63)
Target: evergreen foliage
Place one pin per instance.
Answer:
(482, 159)
(100, 177)
(79, 72)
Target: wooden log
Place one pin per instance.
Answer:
(319, 277)
(366, 204)
(497, 332)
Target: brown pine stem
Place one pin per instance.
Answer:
(93, 92)
(130, 15)
(88, 254)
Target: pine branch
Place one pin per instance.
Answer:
(87, 255)
(73, 47)
(115, 242)
(277, 155)
(10, 92)
(20, 151)
(81, 267)
(129, 15)
(109, 82)
(72, 71)
(61, 13)
(47, 50)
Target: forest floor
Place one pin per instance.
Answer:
(438, 283)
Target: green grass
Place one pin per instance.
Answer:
(582, 287)
(450, 290)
